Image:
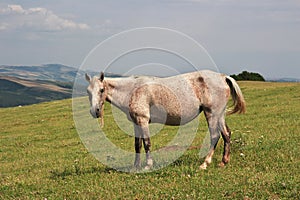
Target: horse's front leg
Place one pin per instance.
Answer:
(138, 147)
(142, 133)
(147, 145)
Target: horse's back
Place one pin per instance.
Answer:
(178, 99)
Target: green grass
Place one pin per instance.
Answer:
(42, 156)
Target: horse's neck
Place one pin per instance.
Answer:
(118, 91)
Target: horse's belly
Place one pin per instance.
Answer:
(174, 117)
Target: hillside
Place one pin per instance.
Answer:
(23, 85)
(16, 91)
(42, 156)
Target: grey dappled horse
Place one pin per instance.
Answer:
(174, 100)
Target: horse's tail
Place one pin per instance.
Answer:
(239, 104)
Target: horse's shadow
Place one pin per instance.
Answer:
(76, 170)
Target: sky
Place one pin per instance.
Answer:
(259, 35)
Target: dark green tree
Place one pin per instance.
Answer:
(248, 76)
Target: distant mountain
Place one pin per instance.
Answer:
(23, 85)
(285, 80)
(52, 72)
(15, 91)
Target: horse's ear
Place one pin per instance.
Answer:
(87, 78)
(101, 76)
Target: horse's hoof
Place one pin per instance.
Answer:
(203, 166)
(137, 166)
(222, 164)
(150, 162)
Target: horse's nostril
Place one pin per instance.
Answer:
(97, 109)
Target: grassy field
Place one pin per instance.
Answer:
(42, 156)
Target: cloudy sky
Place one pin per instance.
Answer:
(257, 35)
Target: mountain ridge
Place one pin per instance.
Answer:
(52, 72)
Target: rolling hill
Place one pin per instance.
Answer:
(24, 85)
(16, 91)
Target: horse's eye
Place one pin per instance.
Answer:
(102, 90)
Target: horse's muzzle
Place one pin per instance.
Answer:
(95, 112)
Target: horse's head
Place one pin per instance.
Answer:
(97, 94)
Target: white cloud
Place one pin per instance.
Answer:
(39, 19)
(12, 9)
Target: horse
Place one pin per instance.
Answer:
(174, 101)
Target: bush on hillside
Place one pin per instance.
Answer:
(248, 76)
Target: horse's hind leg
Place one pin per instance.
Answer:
(212, 121)
(226, 134)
